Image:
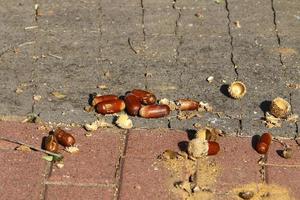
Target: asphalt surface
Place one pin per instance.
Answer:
(167, 47)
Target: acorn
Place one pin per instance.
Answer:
(154, 111)
(280, 108)
(51, 144)
(99, 99)
(200, 148)
(187, 104)
(237, 89)
(264, 142)
(145, 97)
(64, 138)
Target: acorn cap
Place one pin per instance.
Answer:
(237, 89)
(280, 108)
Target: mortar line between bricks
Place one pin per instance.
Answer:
(292, 111)
(100, 185)
(231, 40)
(119, 170)
(276, 31)
(48, 170)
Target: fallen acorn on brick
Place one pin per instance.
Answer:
(63, 138)
(145, 97)
(110, 106)
(187, 104)
(154, 111)
(50, 144)
(198, 148)
(264, 142)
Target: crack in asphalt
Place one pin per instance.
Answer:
(231, 40)
(276, 30)
(143, 20)
(179, 38)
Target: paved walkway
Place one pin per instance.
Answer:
(168, 47)
(54, 54)
(116, 164)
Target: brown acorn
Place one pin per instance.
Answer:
(187, 104)
(50, 144)
(99, 99)
(145, 97)
(133, 104)
(154, 111)
(110, 106)
(64, 138)
(264, 142)
(213, 148)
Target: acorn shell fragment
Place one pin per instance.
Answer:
(237, 89)
(280, 108)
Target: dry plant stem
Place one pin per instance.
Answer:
(32, 147)
(280, 165)
(280, 142)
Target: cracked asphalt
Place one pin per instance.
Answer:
(167, 47)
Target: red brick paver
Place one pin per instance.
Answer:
(238, 162)
(143, 176)
(95, 162)
(285, 172)
(21, 175)
(66, 192)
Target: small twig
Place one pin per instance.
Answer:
(280, 142)
(30, 27)
(26, 43)
(131, 47)
(32, 147)
(55, 56)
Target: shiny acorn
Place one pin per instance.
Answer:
(200, 148)
(146, 98)
(64, 138)
(133, 104)
(264, 142)
(110, 106)
(50, 144)
(154, 111)
(187, 104)
(99, 99)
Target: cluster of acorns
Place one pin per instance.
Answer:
(139, 102)
(59, 136)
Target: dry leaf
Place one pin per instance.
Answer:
(293, 118)
(23, 148)
(102, 87)
(167, 155)
(205, 106)
(97, 124)
(58, 95)
(184, 115)
(270, 121)
(293, 85)
(286, 51)
(37, 97)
